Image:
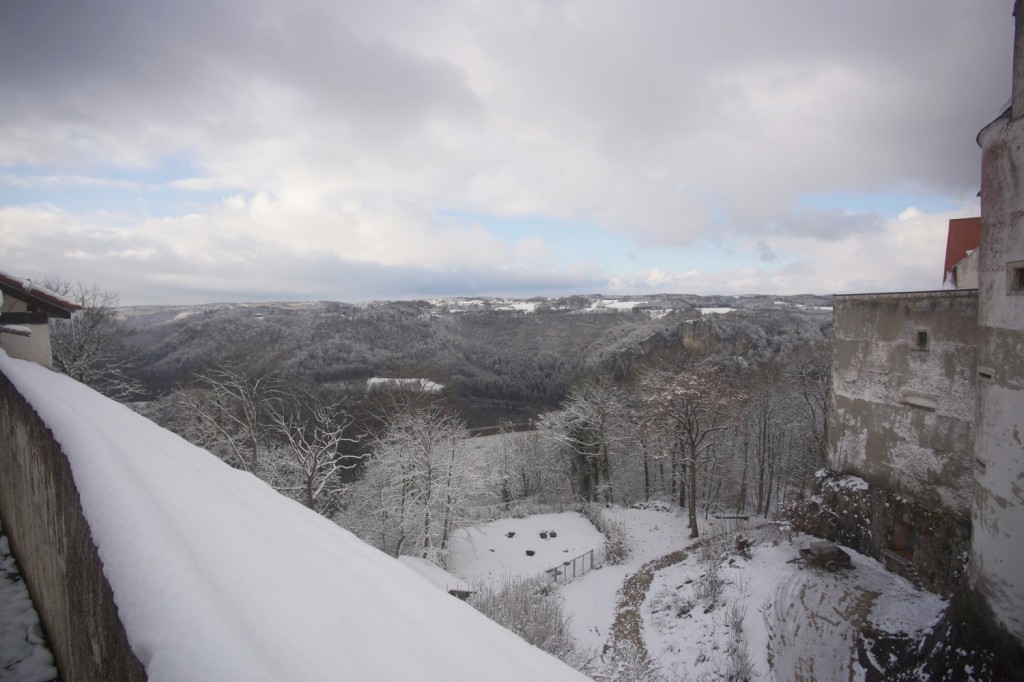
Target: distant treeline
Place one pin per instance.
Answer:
(491, 361)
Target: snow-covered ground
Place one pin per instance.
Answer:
(218, 577)
(486, 552)
(796, 622)
(24, 655)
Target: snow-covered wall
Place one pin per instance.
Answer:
(42, 516)
(217, 577)
(997, 561)
(902, 403)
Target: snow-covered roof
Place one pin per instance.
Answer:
(218, 577)
(16, 329)
(401, 384)
(47, 301)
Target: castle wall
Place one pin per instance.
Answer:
(902, 404)
(997, 560)
(42, 517)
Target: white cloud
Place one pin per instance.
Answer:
(904, 254)
(337, 133)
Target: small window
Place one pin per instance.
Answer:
(921, 340)
(1015, 278)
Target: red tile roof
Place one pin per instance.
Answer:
(964, 237)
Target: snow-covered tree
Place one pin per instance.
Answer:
(587, 429)
(312, 429)
(226, 410)
(89, 347)
(694, 406)
(249, 417)
(419, 480)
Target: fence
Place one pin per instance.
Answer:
(573, 568)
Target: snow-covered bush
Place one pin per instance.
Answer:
(709, 586)
(628, 663)
(532, 609)
(739, 667)
(616, 546)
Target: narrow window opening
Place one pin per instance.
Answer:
(1015, 278)
(921, 339)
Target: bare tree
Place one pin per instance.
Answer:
(694, 405)
(313, 430)
(587, 428)
(226, 410)
(89, 347)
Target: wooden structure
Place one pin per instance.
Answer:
(25, 312)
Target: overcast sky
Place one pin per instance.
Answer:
(187, 151)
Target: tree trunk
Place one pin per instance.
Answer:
(692, 506)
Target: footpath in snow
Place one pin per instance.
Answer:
(699, 610)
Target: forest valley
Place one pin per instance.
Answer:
(406, 422)
(716, 405)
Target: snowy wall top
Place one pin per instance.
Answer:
(217, 577)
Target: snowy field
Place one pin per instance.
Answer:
(789, 621)
(487, 552)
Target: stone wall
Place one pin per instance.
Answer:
(903, 391)
(42, 516)
(923, 544)
(998, 559)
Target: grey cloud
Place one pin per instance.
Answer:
(192, 73)
(827, 225)
(765, 252)
(672, 122)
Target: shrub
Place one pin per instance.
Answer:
(629, 663)
(739, 667)
(616, 547)
(533, 610)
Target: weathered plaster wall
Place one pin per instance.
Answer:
(997, 563)
(902, 417)
(49, 535)
(967, 272)
(36, 347)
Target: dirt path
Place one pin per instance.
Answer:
(814, 626)
(627, 629)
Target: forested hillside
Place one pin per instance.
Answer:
(499, 359)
